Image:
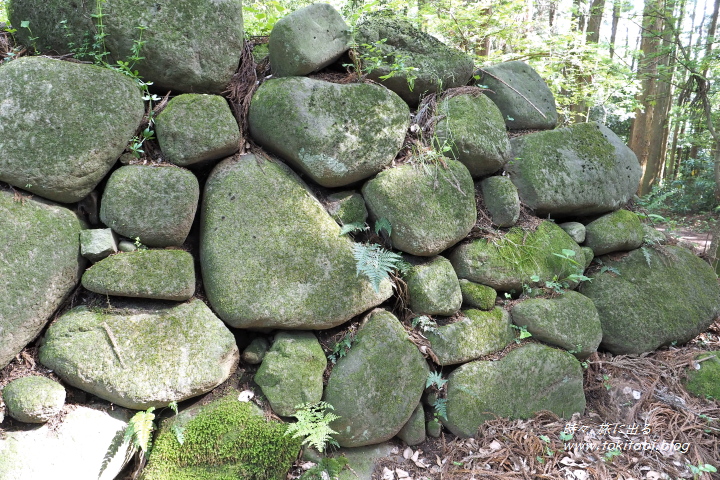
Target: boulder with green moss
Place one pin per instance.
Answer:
(196, 129)
(524, 99)
(376, 386)
(582, 169)
(472, 127)
(158, 274)
(292, 372)
(414, 62)
(98, 243)
(509, 262)
(703, 376)
(653, 236)
(502, 200)
(575, 229)
(336, 134)
(615, 232)
(224, 440)
(139, 355)
(347, 207)
(271, 256)
(413, 432)
(33, 399)
(63, 125)
(431, 206)
(478, 296)
(527, 380)
(478, 333)
(307, 40)
(41, 265)
(433, 287)
(660, 296)
(569, 321)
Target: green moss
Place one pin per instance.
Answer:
(433, 288)
(617, 231)
(226, 439)
(347, 207)
(477, 296)
(705, 381)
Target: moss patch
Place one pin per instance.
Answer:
(617, 231)
(477, 296)
(705, 381)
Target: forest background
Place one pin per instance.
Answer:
(648, 69)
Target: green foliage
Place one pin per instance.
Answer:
(383, 224)
(376, 263)
(368, 57)
(313, 425)
(699, 469)
(440, 407)
(139, 430)
(328, 469)
(522, 333)
(435, 379)
(425, 323)
(341, 348)
(353, 227)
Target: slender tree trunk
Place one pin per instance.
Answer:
(615, 21)
(594, 21)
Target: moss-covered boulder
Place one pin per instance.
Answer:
(223, 440)
(377, 385)
(413, 433)
(292, 372)
(653, 236)
(433, 287)
(509, 262)
(196, 129)
(155, 204)
(41, 265)
(347, 207)
(477, 333)
(660, 296)
(527, 380)
(33, 399)
(336, 134)
(502, 200)
(582, 169)
(576, 230)
(475, 295)
(524, 99)
(472, 127)
(427, 64)
(307, 40)
(271, 256)
(63, 125)
(614, 232)
(703, 377)
(141, 354)
(430, 207)
(569, 321)
(158, 274)
(98, 243)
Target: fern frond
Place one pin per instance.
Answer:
(440, 406)
(435, 378)
(352, 227)
(375, 262)
(140, 428)
(313, 424)
(383, 224)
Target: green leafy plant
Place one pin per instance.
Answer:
(341, 348)
(440, 407)
(376, 263)
(313, 425)
(368, 57)
(435, 379)
(328, 468)
(611, 454)
(139, 430)
(352, 228)
(522, 333)
(383, 224)
(425, 323)
(698, 470)
(606, 382)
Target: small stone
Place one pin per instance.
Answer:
(33, 399)
(127, 246)
(477, 296)
(614, 232)
(433, 288)
(347, 207)
(255, 352)
(97, 244)
(413, 433)
(434, 428)
(501, 199)
(576, 230)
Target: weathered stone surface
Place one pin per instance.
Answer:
(336, 134)
(478, 333)
(158, 274)
(433, 287)
(703, 377)
(483, 390)
(256, 351)
(40, 265)
(33, 399)
(63, 125)
(473, 128)
(292, 372)
(430, 209)
(413, 433)
(258, 217)
(155, 204)
(195, 129)
(646, 305)
(614, 232)
(576, 230)
(569, 321)
(364, 460)
(143, 355)
(97, 243)
(87, 444)
(653, 236)
(435, 64)
(347, 207)
(478, 296)
(378, 384)
(502, 200)
(307, 40)
(524, 99)
(582, 169)
(506, 264)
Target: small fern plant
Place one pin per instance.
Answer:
(139, 430)
(376, 263)
(313, 425)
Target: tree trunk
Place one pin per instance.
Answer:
(594, 21)
(615, 21)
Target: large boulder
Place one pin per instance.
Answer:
(472, 127)
(482, 390)
(33, 399)
(377, 385)
(41, 265)
(524, 99)
(430, 207)
(511, 261)
(582, 169)
(63, 125)
(660, 296)
(140, 355)
(414, 62)
(307, 40)
(336, 134)
(271, 256)
(615, 232)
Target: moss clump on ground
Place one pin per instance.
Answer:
(226, 439)
(705, 381)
